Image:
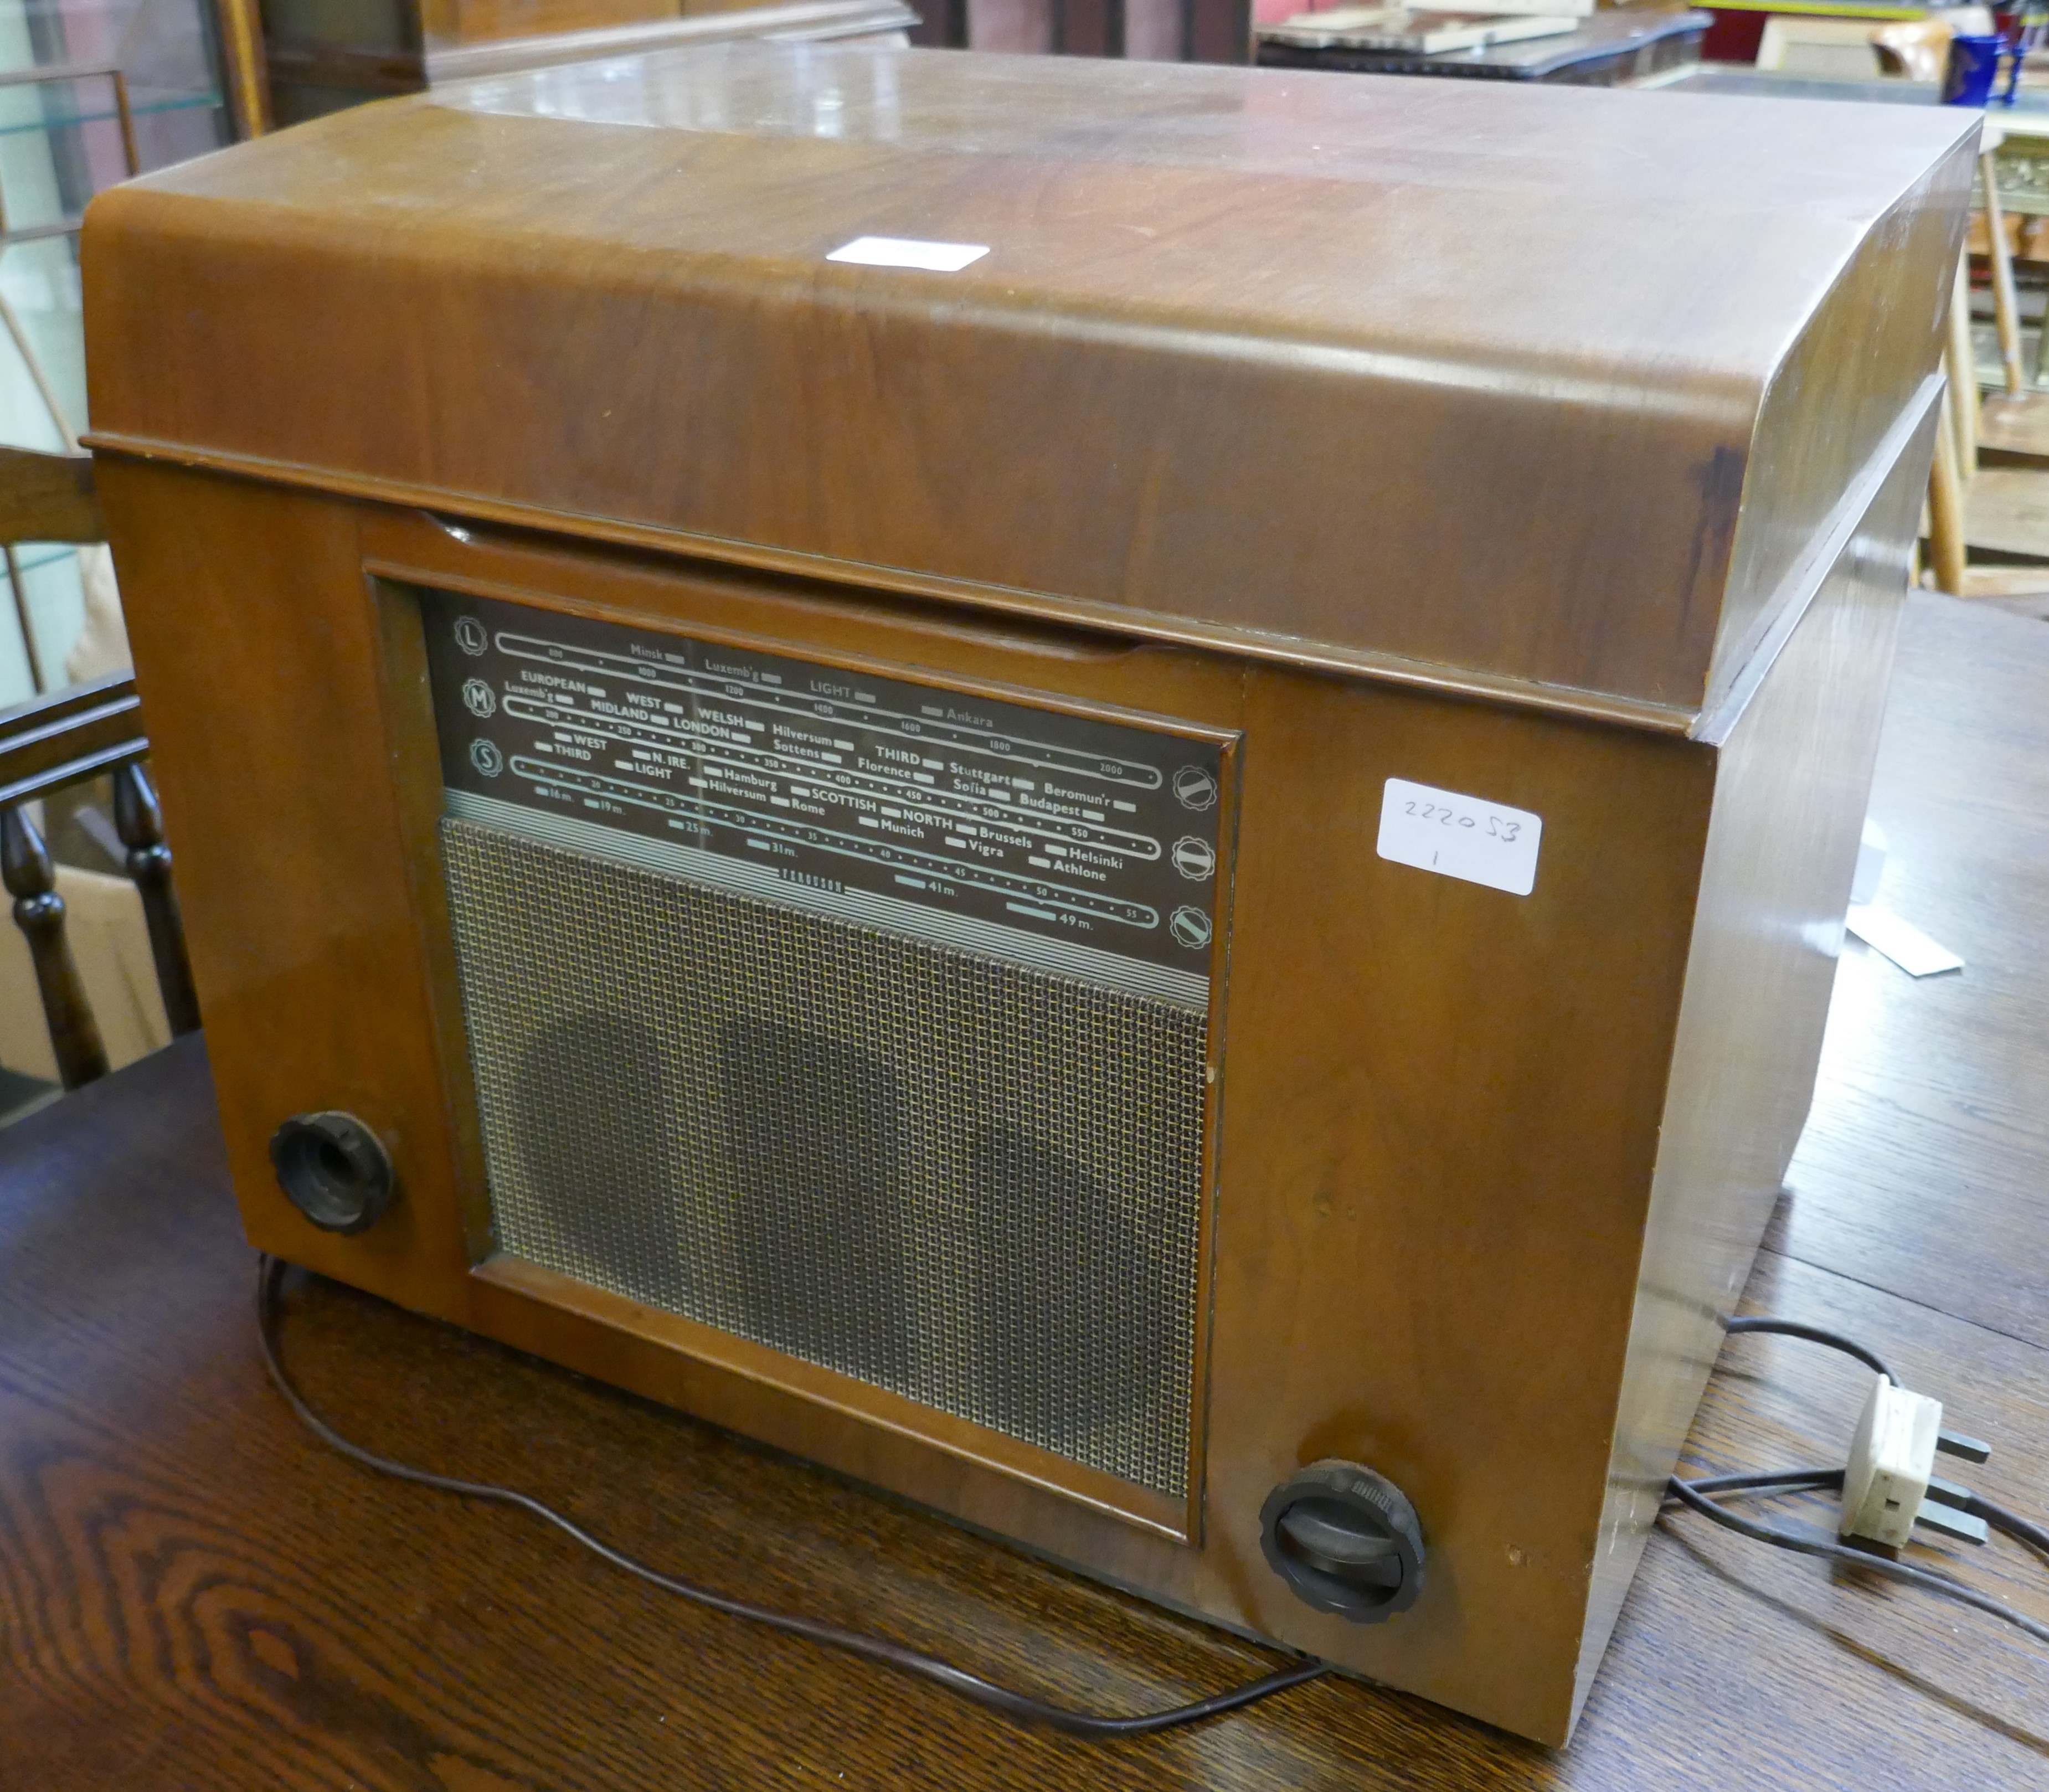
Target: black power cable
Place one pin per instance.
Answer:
(1771, 1480)
(1814, 1335)
(1698, 1494)
(1692, 1494)
(1022, 1706)
(2022, 1530)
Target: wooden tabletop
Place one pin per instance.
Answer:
(195, 1593)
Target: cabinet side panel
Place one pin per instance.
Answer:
(1441, 1111)
(257, 659)
(1791, 791)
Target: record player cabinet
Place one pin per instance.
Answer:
(861, 835)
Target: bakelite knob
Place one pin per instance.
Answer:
(334, 1169)
(1346, 1540)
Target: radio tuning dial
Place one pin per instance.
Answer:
(1346, 1540)
(334, 1169)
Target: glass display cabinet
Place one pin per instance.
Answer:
(91, 90)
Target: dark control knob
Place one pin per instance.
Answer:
(335, 1170)
(1346, 1540)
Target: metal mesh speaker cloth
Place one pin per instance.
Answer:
(975, 1184)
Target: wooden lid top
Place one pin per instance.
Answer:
(1485, 380)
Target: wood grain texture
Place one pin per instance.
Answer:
(2022, 590)
(60, 738)
(2007, 510)
(48, 497)
(1371, 1207)
(192, 1592)
(2017, 426)
(1439, 1109)
(1170, 348)
(1774, 881)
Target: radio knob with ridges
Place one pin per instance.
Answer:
(334, 1169)
(1346, 1540)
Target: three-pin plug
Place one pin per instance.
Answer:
(1890, 1485)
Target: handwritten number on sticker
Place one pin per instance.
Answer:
(1458, 836)
(1499, 827)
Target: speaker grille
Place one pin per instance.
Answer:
(974, 1184)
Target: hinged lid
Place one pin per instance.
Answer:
(1553, 392)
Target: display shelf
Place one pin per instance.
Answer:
(148, 108)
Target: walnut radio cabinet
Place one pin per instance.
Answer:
(1118, 795)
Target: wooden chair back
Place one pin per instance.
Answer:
(61, 738)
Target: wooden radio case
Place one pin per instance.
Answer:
(1072, 783)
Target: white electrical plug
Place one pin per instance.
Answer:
(1890, 1484)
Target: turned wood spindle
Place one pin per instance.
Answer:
(138, 819)
(39, 911)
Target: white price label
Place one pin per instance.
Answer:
(1464, 837)
(909, 251)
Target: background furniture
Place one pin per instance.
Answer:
(1609, 49)
(804, 21)
(1142, 30)
(1956, 457)
(1846, 43)
(168, 53)
(2013, 169)
(107, 89)
(62, 739)
(194, 1591)
(317, 60)
(85, 732)
(46, 497)
(1740, 24)
(293, 60)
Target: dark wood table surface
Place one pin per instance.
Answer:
(195, 1593)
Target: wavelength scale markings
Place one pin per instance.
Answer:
(1078, 824)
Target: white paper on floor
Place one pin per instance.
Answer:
(1900, 941)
